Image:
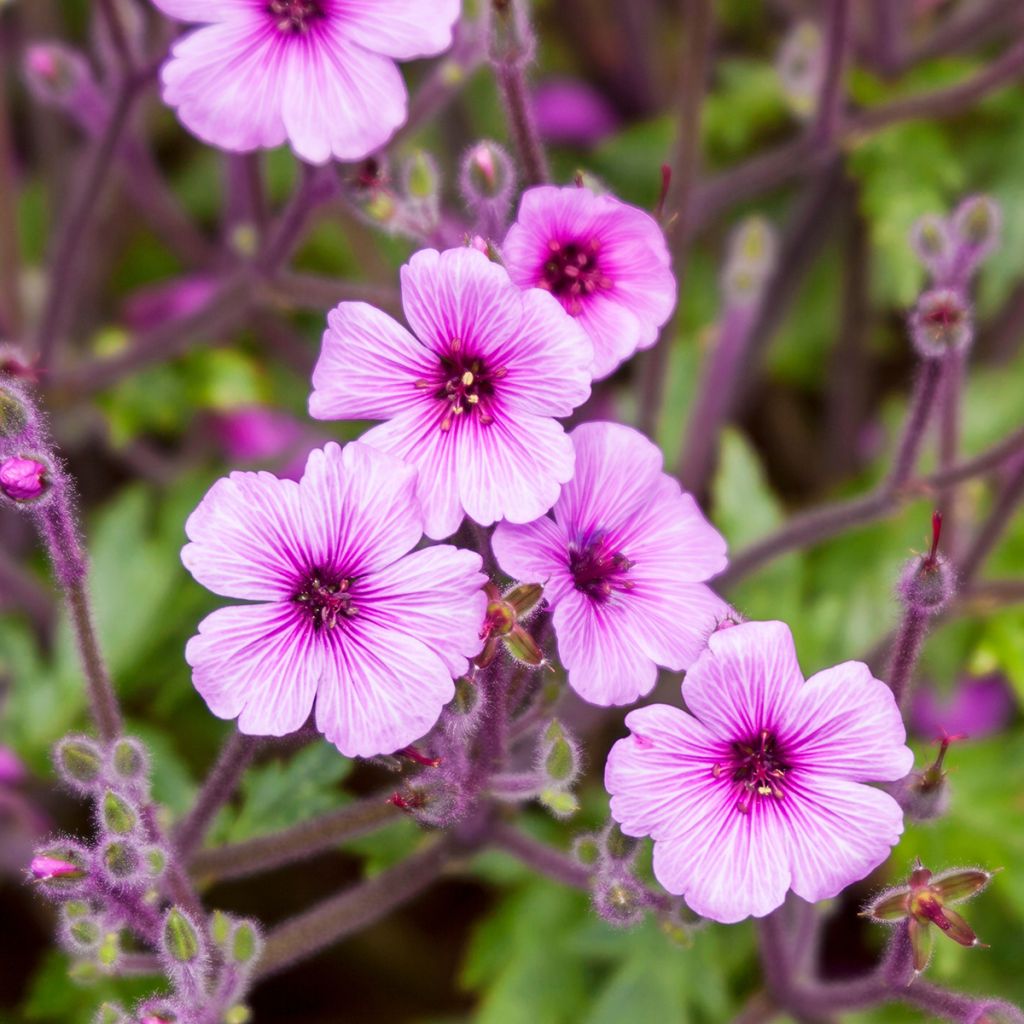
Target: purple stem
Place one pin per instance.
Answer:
(999, 518)
(220, 785)
(922, 402)
(830, 100)
(355, 908)
(511, 50)
(906, 651)
(265, 853)
(10, 246)
(951, 392)
(542, 858)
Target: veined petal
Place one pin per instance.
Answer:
(401, 28)
(604, 665)
(745, 679)
(534, 552)
(201, 11)
(660, 774)
(369, 367)
(358, 508)
(836, 832)
(381, 690)
(434, 595)
(845, 723)
(246, 538)
(258, 663)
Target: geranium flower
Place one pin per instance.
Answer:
(605, 261)
(319, 73)
(623, 563)
(471, 399)
(759, 786)
(346, 615)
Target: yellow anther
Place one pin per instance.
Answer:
(472, 399)
(467, 378)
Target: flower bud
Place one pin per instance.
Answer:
(25, 479)
(55, 73)
(82, 934)
(111, 1013)
(422, 177)
(14, 413)
(800, 66)
(559, 802)
(129, 761)
(109, 953)
(617, 845)
(941, 323)
(60, 870)
(121, 862)
(559, 759)
(931, 241)
(246, 944)
(180, 938)
(620, 901)
(977, 223)
(928, 581)
(587, 849)
(117, 814)
(79, 761)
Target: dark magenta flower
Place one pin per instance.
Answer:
(23, 479)
(346, 614)
(623, 564)
(976, 708)
(759, 786)
(605, 261)
(571, 112)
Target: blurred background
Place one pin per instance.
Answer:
(149, 408)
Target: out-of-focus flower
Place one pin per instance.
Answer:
(605, 261)
(759, 787)
(941, 323)
(573, 113)
(154, 305)
(319, 73)
(801, 67)
(976, 708)
(471, 400)
(622, 564)
(346, 615)
(256, 433)
(23, 479)
(925, 900)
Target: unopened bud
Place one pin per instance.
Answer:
(220, 928)
(24, 479)
(58, 869)
(523, 648)
(467, 697)
(587, 849)
(559, 802)
(246, 943)
(14, 414)
(422, 177)
(941, 323)
(620, 902)
(55, 73)
(559, 758)
(931, 241)
(117, 814)
(120, 860)
(181, 940)
(617, 844)
(238, 1014)
(80, 762)
(83, 934)
(128, 760)
(111, 1013)
(928, 581)
(800, 67)
(977, 223)
(752, 256)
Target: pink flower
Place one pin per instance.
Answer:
(23, 479)
(346, 615)
(622, 563)
(573, 113)
(760, 787)
(605, 261)
(471, 399)
(319, 73)
(256, 434)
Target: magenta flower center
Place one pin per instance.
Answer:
(757, 767)
(597, 570)
(572, 271)
(295, 17)
(465, 386)
(327, 598)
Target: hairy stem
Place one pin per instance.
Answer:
(542, 858)
(264, 853)
(220, 785)
(354, 909)
(830, 101)
(922, 402)
(950, 401)
(906, 651)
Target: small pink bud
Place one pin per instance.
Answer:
(44, 868)
(55, 73)
(23, 479)
(480, 244)
(941, 323)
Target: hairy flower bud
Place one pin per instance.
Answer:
(617, 845)
(60, 869)
(931, 241)
(54, 73)
(111, 1013)
(25, 479)
(180, 937)
(422, 176)
(941, 323)
(14, 413)
(751, 261)
(620, 901)
(79, 762)
(121, 862)
(928, 581)
(800, 66)
(587, 849)
(558, 756)
(977, 223)
(246, 944)
(129, 761)
(117, 815)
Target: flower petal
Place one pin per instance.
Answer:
(604, 665)
(381, 690)
(837, 832)
(198, 11)
(401, 28)
(534, 552)
(259, 663)
(745, 679)
(660, 775)
(435, 595)
(340, 100)
(246, 538)
(358, 508)
(845, 723)
(369, 366)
